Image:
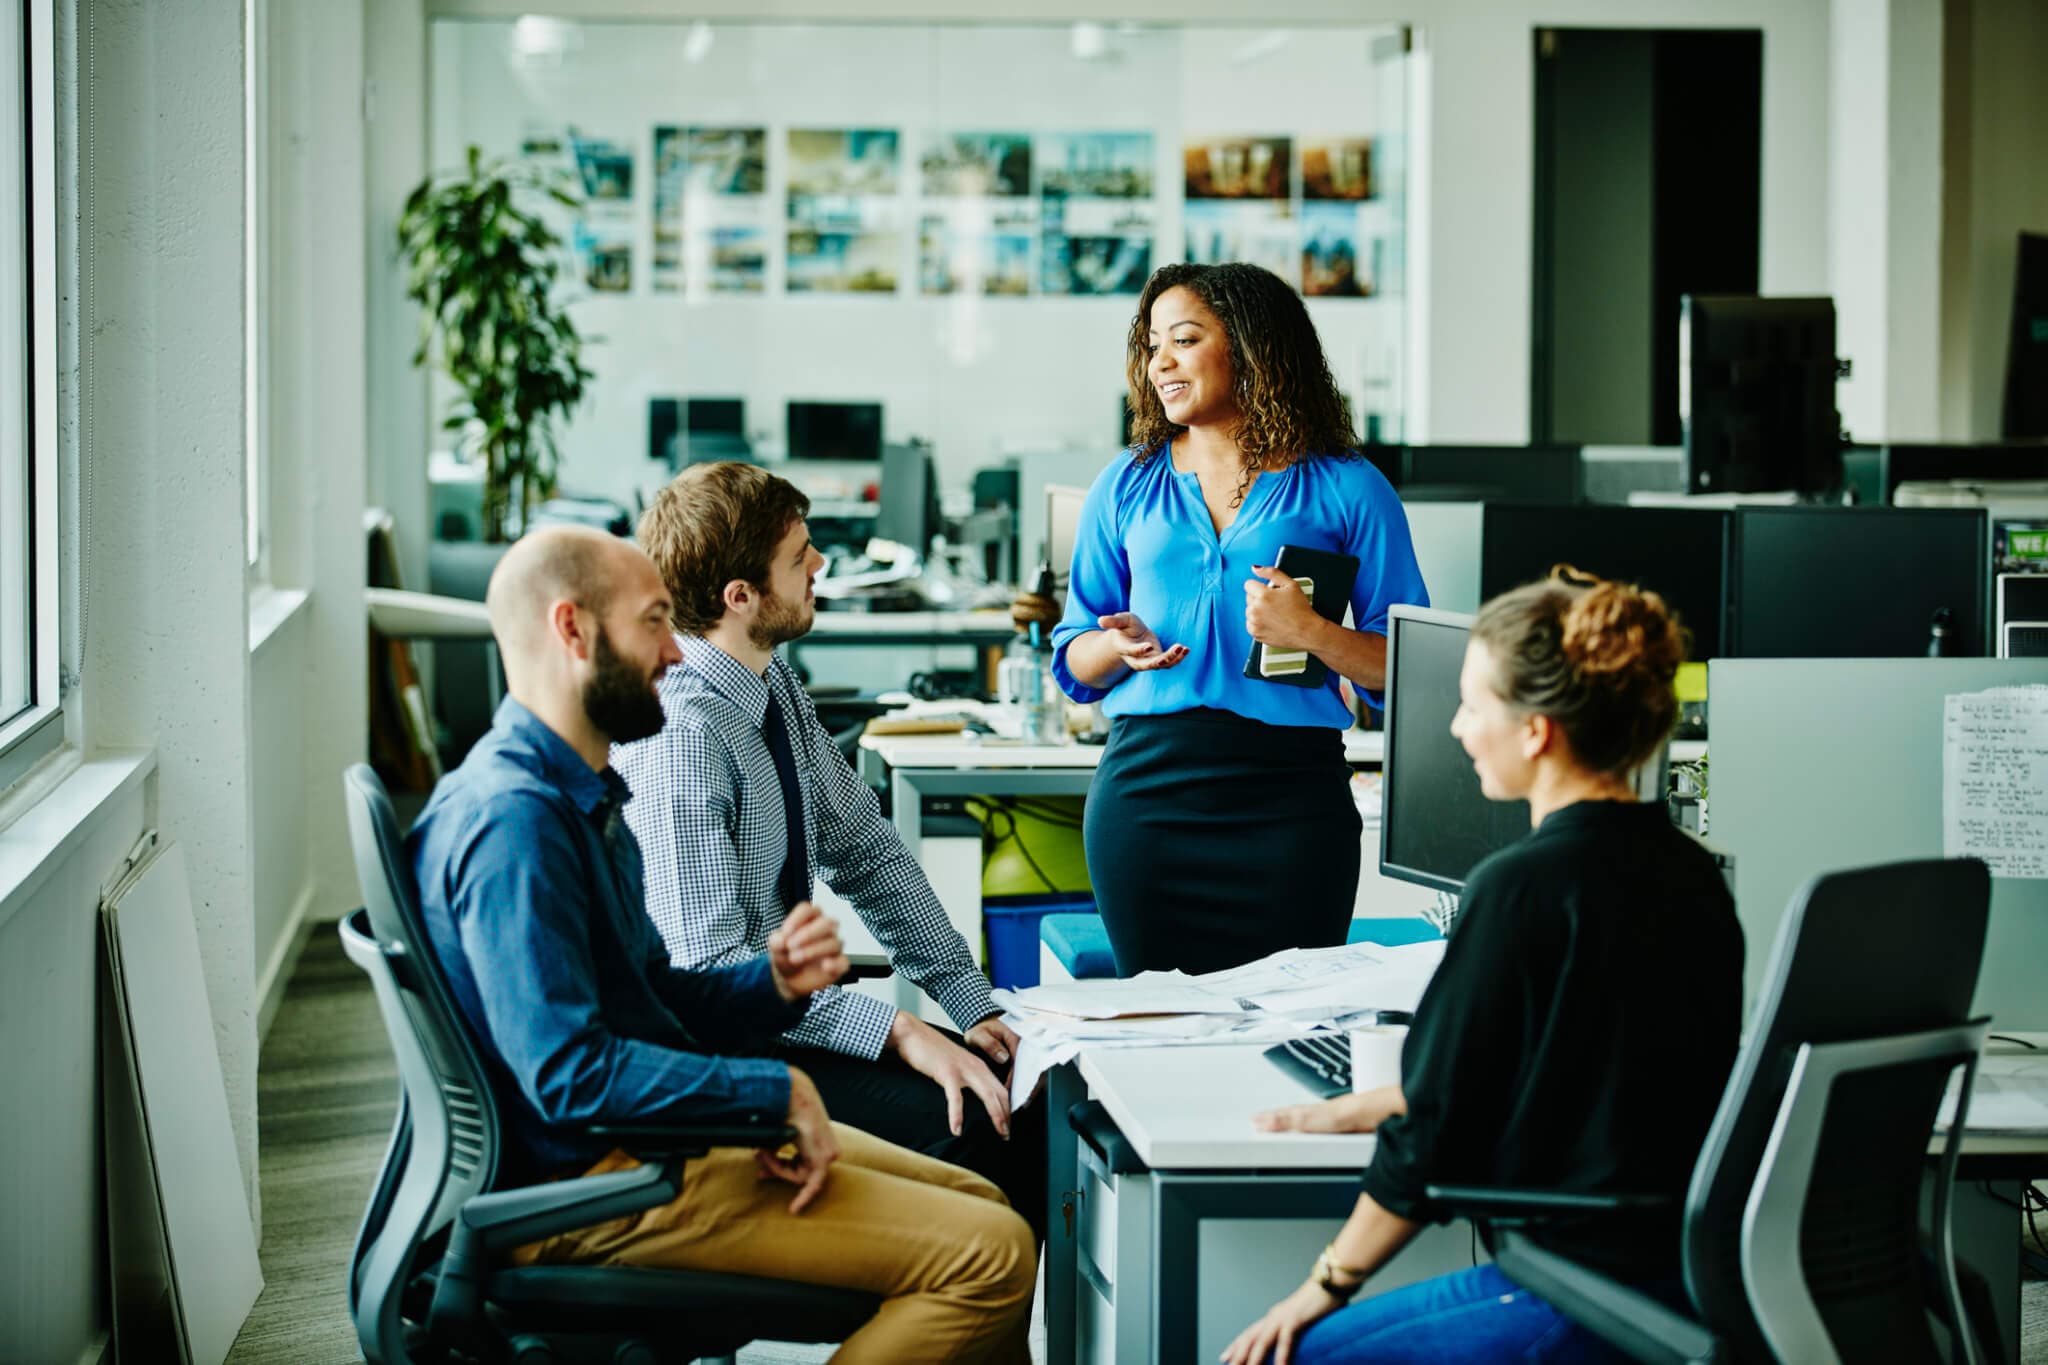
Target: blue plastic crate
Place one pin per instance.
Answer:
(1011, 925)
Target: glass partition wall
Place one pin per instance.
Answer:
(929, 233)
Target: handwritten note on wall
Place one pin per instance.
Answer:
(1994, 773)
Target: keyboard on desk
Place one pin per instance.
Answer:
(1321, 1061)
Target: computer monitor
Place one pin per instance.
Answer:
(1674, 551)
(1756, 394)
(702, 416)
(834, 431)
(1062, 524)
(909, 510)
(1435, 825)
(1856, 582)
(2015, 460)
(1547, 473)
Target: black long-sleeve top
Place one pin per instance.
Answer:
(1578, 1034)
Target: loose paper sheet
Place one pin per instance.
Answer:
(1994, 769)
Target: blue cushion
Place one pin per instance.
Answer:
(1392, 931)
(1080, 943)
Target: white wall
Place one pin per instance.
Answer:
(395, 159)
(310, 682)
(967, 372)
(1469, 277)
(52, 1271)
(160, 334)
(1884, 203)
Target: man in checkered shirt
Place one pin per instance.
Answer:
(728, 856)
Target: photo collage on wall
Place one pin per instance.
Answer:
(977, 222)
(1097, 214)
(603, 237)
(998, 213)
(710, 210)
(845, 235)
(1240, 205)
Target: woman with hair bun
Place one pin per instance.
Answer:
(1581, 1028)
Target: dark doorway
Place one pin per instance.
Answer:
(1647, 187)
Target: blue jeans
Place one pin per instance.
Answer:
(1476, 1314)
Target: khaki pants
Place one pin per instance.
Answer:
(954, 1265)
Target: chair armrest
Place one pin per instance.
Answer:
(1625, 1318)
(867, 967)
(666, 1141)
(508, 1218)
(1509, 1207)
(504, 1219)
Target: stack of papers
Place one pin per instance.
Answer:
(2000, 1105)
(1286, 995)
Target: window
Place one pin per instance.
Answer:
(30, 722)
(255, 331)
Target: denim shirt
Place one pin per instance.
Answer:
(530, 882)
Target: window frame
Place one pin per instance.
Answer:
(30, 736)
(256, 218)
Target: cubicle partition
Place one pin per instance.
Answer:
(1820, 764)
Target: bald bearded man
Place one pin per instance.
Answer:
(531, 885)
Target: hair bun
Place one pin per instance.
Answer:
(1617, 629)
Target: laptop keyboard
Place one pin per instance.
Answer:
(1321, 1062)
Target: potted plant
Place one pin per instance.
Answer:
(483, 270)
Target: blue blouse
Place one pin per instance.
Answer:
(1146, 544)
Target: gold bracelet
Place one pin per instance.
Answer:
(1330, 1260)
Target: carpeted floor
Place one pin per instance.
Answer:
(326, 1093)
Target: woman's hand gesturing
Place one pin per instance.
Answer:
(1137, 648)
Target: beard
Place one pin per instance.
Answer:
(620, 700)
(780, 621)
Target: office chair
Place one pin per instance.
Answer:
(1801, 1229)
(429, 1279)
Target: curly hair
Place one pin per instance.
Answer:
(1288, 402)
(1595, 656)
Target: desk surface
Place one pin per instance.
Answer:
(976, 751)
(976, 625)
(1190, 1108)
(980, 751)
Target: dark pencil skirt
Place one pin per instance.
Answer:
(1214, 840)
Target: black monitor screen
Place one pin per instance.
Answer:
(1856, 582)
(907, 514)
(835, 431)
(1489, 473)
(723, 415)
(1435, 823)
(1675, 552)
(1757, 394)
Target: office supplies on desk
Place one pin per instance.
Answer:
(1330, 576)
(916, 725)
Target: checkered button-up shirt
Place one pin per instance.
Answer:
(707, 810)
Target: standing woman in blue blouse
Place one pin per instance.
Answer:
(1220, 825)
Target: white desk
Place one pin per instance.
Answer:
(1169, 1262)
(1166, 1264)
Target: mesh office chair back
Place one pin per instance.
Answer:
(1875, 953)
(444, 1146)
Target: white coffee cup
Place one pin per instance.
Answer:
(1376, 1056)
